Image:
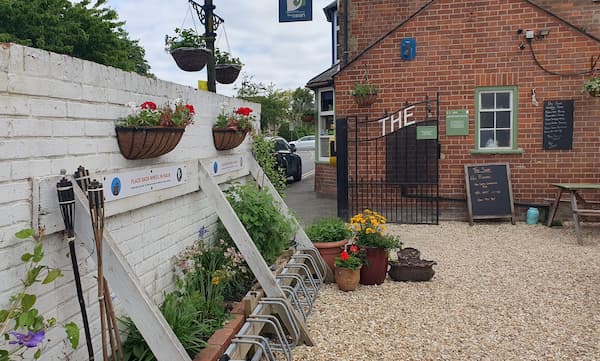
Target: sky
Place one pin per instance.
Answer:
(285, 54)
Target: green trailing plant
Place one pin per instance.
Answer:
(592, 85)
(21, 324)
(223, 57)
(184, 38)
(270, 230)
(263, 150)
(364, 89)
(184, 312)
(329, 229)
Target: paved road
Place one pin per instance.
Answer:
(302, 198)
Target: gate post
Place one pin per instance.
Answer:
(341, 142)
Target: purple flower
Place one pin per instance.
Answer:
(30, 340)
(202, 232)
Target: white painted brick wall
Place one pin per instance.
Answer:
(58, 112)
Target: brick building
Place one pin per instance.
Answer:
(520, 55)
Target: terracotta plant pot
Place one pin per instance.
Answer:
(330, 250)
(225, 139)
(346, 278)
(374, 272)
(365, 100)
(227, 73)
(147, 142)
(190, 59)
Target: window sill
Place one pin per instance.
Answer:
(496, 151)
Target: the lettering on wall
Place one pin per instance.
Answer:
(402, 118)
(131, 183)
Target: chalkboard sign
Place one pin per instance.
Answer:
(489, 193)
(558, 124)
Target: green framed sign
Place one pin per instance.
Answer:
(427, 132)
(457, 122)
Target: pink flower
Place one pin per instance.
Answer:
(245, 111)
(190, 108)
(344, 256)
(353, 248)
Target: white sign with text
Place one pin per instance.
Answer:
(127, 184)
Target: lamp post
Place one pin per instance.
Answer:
(211, 23)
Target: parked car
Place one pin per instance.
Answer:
(306, 142)
(286, 158)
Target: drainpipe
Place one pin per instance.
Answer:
(345, 31)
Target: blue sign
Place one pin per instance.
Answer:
(295, 10)
(408, 49)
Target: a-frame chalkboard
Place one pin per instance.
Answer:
(489, 192)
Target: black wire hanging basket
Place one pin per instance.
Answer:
(191, 59)
(227, 73)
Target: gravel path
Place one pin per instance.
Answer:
(500, 292)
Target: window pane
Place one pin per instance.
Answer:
(503, 138)
(502, 100)
(327, 101)
(486, 140)
(502, 119)
(487, 100)
(486, 119)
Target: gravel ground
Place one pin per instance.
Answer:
(500, 292)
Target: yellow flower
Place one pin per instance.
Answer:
(215, 280)
(369, 230)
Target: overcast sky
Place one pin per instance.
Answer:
(286, 54)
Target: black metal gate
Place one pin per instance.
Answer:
(390, 164)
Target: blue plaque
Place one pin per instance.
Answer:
(295, 10)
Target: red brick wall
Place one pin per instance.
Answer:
(462, 45)
(584, 14)
(325, 179)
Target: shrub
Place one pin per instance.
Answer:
(263, 150)
(330, 229)
(269, 229)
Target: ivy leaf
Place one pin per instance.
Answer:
(3, 355)
(27, 318)
(72, 331)
(27, 302)
(52, 275)
(37, 354)
(24, 233)
(38, 252)
(26, 257)
(3, 315)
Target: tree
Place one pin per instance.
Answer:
(82, 30)
(302, 102)
(274, 102)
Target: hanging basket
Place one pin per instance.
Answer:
(147, 142)
(225, 139)
(190, 59)
(227, 73)
(365, 100)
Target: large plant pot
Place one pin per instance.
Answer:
(227, 73)
(147, 142)
(374, 272)
(225, 139)
(330, 250)
(347, 279)
(190, 59)
(416, 270)
(365, 100)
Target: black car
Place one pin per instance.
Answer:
(287, 159)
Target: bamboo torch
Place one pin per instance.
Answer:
(66, 201)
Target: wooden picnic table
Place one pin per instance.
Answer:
(574, 189)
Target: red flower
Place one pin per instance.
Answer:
(344, 256)
(354, 248)
(190, 108)
(148, 105)
(245, 111)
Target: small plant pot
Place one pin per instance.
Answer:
(412, 271)
(365, 100)
(227, 73)
(147, 142)
(347, 279)
(190, 59)
(225, 139)
(594, 93)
